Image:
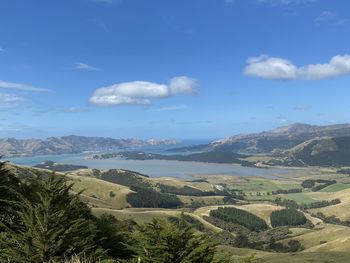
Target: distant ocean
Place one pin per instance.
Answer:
(155, 168)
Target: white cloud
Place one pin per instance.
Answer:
(183, 85)
(142, 92)
(74, 110)
(8, 100)
(19, 86)
(330, 18)
(84, 66)
(171, 108)
(278, 68)
(270, 68)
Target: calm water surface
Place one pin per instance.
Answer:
(156, 168)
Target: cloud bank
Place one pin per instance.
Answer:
(142, 92)
(279, 68)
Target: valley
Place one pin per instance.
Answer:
(118, 192)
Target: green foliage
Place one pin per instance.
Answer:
(186, 190)
(294, 205)
(287, 203)
(114, 235)
(241, 217)
(318, 184)
(308, 183)
(145, 197)
(42, 221)
(286, 191)
(323, 203)
(53, 224)
(123, 177)
(331, 219)
(287, 217)
(291, 246)
(170, 242)
(208, 157)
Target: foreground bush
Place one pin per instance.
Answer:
(166, 242)
(41, 220)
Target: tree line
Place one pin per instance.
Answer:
(288, 203)
(241, 217)
(287, 217)
(288, 191)
(147, 197)
(322, 183)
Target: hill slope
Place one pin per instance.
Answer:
(321, 151)
(281, 138)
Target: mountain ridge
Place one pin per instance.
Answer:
(11, 147)
(266, 142)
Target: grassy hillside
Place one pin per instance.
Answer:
(106, 196)
(112, 195)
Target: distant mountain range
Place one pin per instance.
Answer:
(10, 147)
(293, 145)
(281, 138)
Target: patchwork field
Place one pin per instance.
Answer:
(335, 188)
(323, 243)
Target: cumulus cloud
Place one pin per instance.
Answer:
(84, 66)
(279, 68)
(267, 67)
(142, 92)
(19, 86)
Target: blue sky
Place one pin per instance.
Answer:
(171, 69)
